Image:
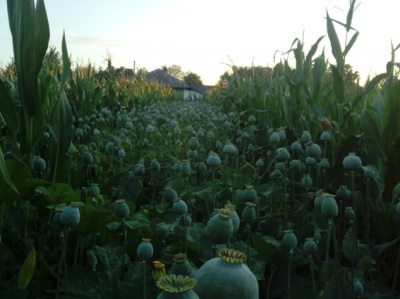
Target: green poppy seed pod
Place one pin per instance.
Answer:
(289, 240)
(274, 138)
(179, 206)
(324, 163)
(70, 215)
(251, 148)
(213, 160)
(230, 149)
(131, 176)
(162, 230)
(121, 153)
(313, 150)
(280, 166)
(210, 135)
(249, 213)
(282, 135)
(202, 168)
(260, 163)
(329, 207)
(170, 194)
(181, 266)
(282, 154)
(39, 165)
(139, 170)
(177, 167)
(251, 119)
(352, 162)
(319, 198)
(72, 149)
(121, 209)
(235, 217)
(358, 287)
(145, 250)
(306, 180)
(349, 214)
(91, 259)
(87, 158)
(296, 147)
(311, 161)
(218, 144)
(398, 208)
(305, 137)
(317, 236)
(343, 193)
(309, 246)
(155, 166)
(369, 173)
(325, 136)
(176, 287)
(78, 132)
(186, 169)
(185, 219)
(94, 190)
(150, 129)
(219, 229)
(295, 164)
(55, 221)
(226, 277)
(249, 194)
(193, 143)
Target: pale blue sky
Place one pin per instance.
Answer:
(204, 36)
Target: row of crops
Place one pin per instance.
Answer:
(282, 183)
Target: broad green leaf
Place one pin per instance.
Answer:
(350, 15)
(8, 113)
(381, 248)
(93, 219)
(30, 33)
(20, 174)
(5, 174)
(318, 74)
(266, 246)
(136, 221)
(335, 45)
(372, 134)
(338, 84)
(66, 63)
(313, 49)
(351, 43)
(60, 126)
(60, 193)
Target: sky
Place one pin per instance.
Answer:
(207, 37)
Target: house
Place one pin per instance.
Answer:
(181, 88)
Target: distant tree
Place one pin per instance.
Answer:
(174, 70)
(192, 79)
(351, 76)
(141, 73)
(224, 79)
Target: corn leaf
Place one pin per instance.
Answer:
(28, 268)
(318, 74)
(335, 45)
(372, 134)
(5, 174)
(30, 33)
(350, 15)
(66, 63)
(7, 110)
(351, 43)
(338, 84)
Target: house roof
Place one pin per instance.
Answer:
(163, 77)
(202, 88)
